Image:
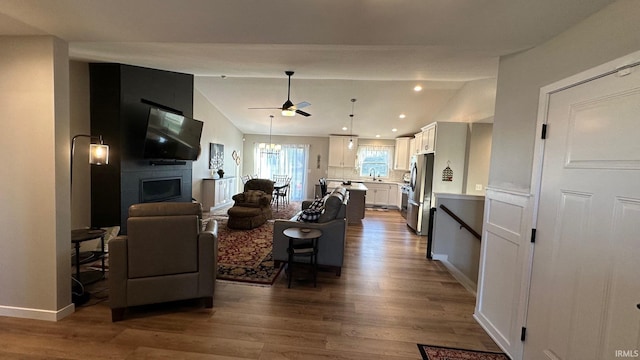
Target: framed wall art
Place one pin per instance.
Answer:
(216, 156)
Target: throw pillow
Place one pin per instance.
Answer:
(317, 204)
(253, 196)
(112, 232)
(310, 215)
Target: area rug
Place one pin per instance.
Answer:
(246, 255)
(430, 352)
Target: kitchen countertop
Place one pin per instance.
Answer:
(369, 181)
(354, 186)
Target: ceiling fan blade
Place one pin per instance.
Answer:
(303, 113)
(303, 104)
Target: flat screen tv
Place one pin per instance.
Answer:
(172, 136)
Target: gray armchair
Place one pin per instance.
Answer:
(164, 257)
(332, 223)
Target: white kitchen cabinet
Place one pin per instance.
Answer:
(412, 148)
(429, 138)
(418, 143)
(339, 153)
(392, 200)
(401, 154)
(382, 194)
(217, 192)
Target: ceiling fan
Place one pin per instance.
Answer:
(288, 108)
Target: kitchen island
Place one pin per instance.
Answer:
(356, 204)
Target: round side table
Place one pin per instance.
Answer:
(303, 242)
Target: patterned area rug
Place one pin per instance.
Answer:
(246, 255)
(430, 352)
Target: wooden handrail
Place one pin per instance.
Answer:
(461, 222)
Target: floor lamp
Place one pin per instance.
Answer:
(98, 153)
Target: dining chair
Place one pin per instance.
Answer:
(281, 186)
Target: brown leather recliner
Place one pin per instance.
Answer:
(252, 207)
(165, 256)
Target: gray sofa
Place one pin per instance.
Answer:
(332, 223)
(165, 256)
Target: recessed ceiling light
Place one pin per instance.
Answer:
(417, 88)
(394, 129)
(344, 128)
(402, 116)
(378, 135)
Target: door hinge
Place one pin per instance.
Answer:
(544, 132)
(523, 334)
(533, 235)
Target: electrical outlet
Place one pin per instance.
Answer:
(478, 187)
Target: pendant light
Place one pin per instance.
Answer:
(350, 146)
(270, 148)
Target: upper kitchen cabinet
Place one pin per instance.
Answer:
(339, 153)
(417, 143)
(429, 138)
(402, 154)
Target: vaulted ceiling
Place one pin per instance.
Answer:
(373, 50)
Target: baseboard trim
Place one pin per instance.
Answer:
(457, 274)
(37, 314)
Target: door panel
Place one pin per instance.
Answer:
(584, 285)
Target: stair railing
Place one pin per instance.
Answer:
(461, 222)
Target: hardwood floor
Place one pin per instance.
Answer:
(388, 298)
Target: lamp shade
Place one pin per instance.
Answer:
(98, 154)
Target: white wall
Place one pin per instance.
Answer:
(35, 255)
(454, 244)
(219, 130)
(478, 157)
(474, 102)
(607, 35)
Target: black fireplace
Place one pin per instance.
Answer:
(163, 189)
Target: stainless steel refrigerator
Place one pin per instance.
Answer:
(420, 193)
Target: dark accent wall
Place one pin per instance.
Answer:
(121, 96)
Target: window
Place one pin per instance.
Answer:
(285, 159)
(374, 160)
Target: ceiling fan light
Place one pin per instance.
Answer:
(288, 109)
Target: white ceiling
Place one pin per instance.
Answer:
(371, 50)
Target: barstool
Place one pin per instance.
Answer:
(302, 243)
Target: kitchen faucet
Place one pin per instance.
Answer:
(374, 174)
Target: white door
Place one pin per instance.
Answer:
(585, 285)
